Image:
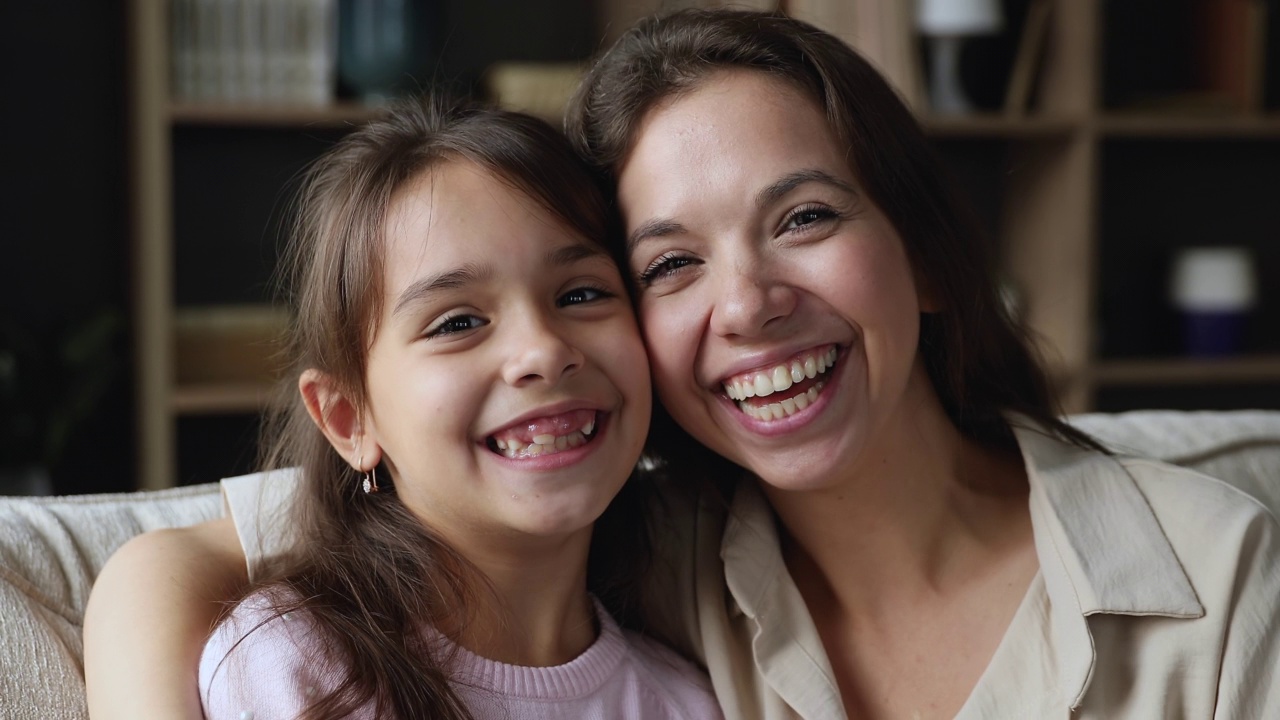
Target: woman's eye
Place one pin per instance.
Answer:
(580, 295)
(664, 266)
(455, 324)
(805, 216)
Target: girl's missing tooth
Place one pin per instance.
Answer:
(474, 395)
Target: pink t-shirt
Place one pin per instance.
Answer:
(257, 666)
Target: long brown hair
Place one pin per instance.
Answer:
(367, 570)
(980, 361)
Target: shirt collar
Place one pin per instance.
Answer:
(1101, 549)
(788, 650)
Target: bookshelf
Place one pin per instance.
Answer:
(1084, 191)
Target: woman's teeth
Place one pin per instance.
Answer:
(785, 408)
(544, 444)
(780, 377)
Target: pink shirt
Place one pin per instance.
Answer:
(268, 676)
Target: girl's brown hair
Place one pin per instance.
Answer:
(368, 572)
(980, 361)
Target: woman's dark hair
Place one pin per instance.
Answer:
(364, 567)
(980, 360)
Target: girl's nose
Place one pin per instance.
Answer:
(540, 353)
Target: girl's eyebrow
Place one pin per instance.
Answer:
(475, 273)
(448, 280)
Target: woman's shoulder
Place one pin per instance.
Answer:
(1190, 503)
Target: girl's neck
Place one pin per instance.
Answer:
(925, 510)
(539, 613)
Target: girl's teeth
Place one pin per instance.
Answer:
(545, 444)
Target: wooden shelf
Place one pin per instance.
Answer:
(282, 116)
(999, 126)
(1187, 371)
(220, 398)
(1174, 126)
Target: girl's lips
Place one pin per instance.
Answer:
(555, 457)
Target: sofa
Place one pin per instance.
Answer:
(51, 548)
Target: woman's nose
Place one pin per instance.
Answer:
(750, 301)
(540, 352)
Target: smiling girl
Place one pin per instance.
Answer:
(472, 394)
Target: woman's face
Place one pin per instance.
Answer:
(507, 387)
(776, 300)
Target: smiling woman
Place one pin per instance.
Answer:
(910, 530)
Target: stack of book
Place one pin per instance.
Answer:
(254, 51)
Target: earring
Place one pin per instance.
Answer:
(370, 482)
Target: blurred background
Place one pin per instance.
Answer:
(1124, 156)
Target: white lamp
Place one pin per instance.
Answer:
(947, 23)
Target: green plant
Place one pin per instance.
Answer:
(51, 380)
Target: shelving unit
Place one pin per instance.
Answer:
(1050, 185)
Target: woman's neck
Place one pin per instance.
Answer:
(539, 612)
(926, 510)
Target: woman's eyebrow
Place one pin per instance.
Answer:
(791, 181)
(653, 229)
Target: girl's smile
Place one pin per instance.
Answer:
(508, 388)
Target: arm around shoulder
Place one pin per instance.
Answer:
(148, 616)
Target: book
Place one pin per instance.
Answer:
(1230, 51)
(1026, 62)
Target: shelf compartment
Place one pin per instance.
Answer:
(1172, 126)
(235, 344)
(994, 125)
(277, 116)
(226, 398)
(1248, 369)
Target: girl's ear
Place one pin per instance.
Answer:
(337, 417)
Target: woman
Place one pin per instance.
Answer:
(899, 525)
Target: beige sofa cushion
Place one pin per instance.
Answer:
(52, 548)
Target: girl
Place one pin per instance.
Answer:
(896, 524)
(473, 395)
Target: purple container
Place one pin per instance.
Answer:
(1213, 333)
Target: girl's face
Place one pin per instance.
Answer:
(508, 389)
(776, 300)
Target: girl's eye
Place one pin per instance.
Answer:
(805, 216)
(455, 324)
(664, 266)
(580, 295)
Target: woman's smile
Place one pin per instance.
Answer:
(779, 308)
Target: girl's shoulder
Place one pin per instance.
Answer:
(262, 660)
(672, 680)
